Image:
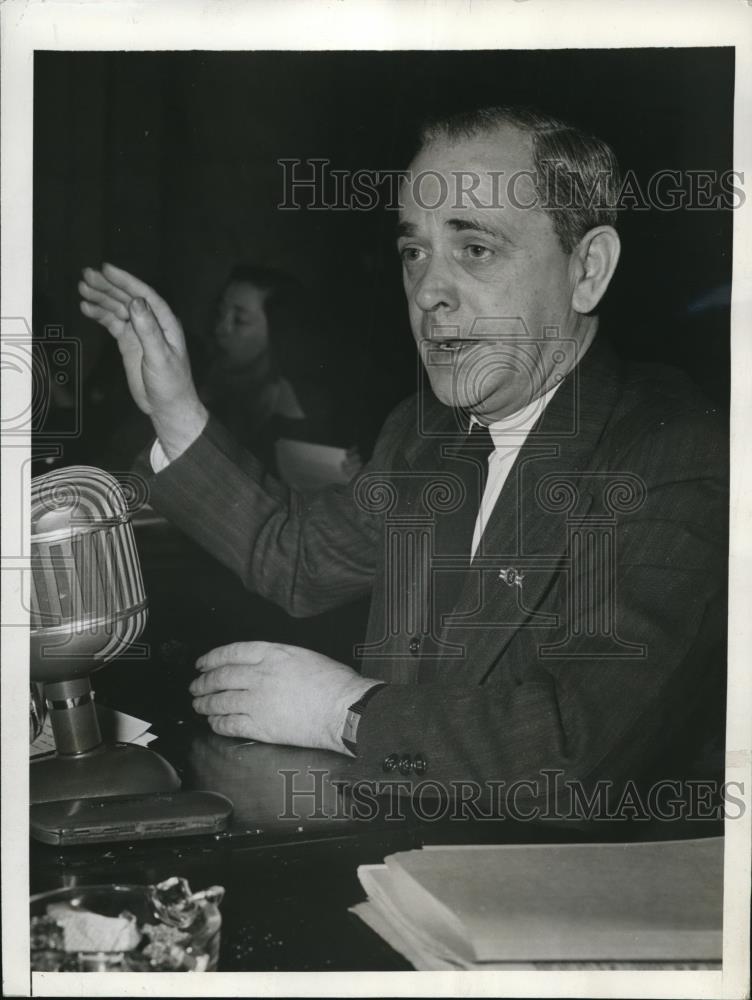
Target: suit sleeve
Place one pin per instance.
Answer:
(591, 717)
(307, 553)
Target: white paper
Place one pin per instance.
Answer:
(116, 727)
(309, 466)
(489, 907)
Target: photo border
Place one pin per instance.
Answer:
(346, 24)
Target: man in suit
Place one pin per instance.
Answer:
(543, 534)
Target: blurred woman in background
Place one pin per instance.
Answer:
(262, 370)
(266, 379)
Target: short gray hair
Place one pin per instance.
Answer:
(577, 175)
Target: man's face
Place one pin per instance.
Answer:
(486, 284)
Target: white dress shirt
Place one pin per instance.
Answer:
(508, 436)
(157, 457)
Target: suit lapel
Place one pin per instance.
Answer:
(523, 548)
(400, 614)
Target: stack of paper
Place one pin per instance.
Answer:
(116, 727)
(520, 906)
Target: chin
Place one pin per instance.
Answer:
(445, 390)
(454, 391)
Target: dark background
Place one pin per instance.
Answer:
(165, 164)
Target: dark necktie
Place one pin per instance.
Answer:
(454, 531)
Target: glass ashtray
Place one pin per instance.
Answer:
(126, 928)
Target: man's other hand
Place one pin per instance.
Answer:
(153, 349)
(276, 694)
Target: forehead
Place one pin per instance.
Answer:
(502, 148)
(244, 295)
(489, 173)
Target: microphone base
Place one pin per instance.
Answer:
(115, 769)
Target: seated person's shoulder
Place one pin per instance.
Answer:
(400, 426)
(304, 411)
(288, 404)
(660, 402)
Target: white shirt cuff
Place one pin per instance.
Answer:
(157, 457)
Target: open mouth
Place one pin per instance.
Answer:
(453, 345)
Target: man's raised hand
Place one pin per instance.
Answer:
(153, 349)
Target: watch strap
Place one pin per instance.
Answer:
(354, 715)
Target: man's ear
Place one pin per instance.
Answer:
(594, 260)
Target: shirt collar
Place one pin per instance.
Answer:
(514, 428)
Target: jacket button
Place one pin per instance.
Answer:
(420, 764)
(405, 764)
(389, 763)
(414, 645)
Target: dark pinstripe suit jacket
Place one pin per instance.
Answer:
(586, 632)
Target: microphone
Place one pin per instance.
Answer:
(88, 606)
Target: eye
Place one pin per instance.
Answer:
(411, 255)
(476, 251)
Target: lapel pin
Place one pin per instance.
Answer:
(511, 577)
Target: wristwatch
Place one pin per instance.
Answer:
(354, 715)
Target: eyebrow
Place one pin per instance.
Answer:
(474, 225)
(459, 225)
(406, 229)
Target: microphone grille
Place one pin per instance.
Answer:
(86, 583)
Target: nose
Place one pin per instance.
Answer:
(436, 288)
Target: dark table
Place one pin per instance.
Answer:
(290, 874)
(289, 869)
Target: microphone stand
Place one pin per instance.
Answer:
(86, 767)
(87, 607)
